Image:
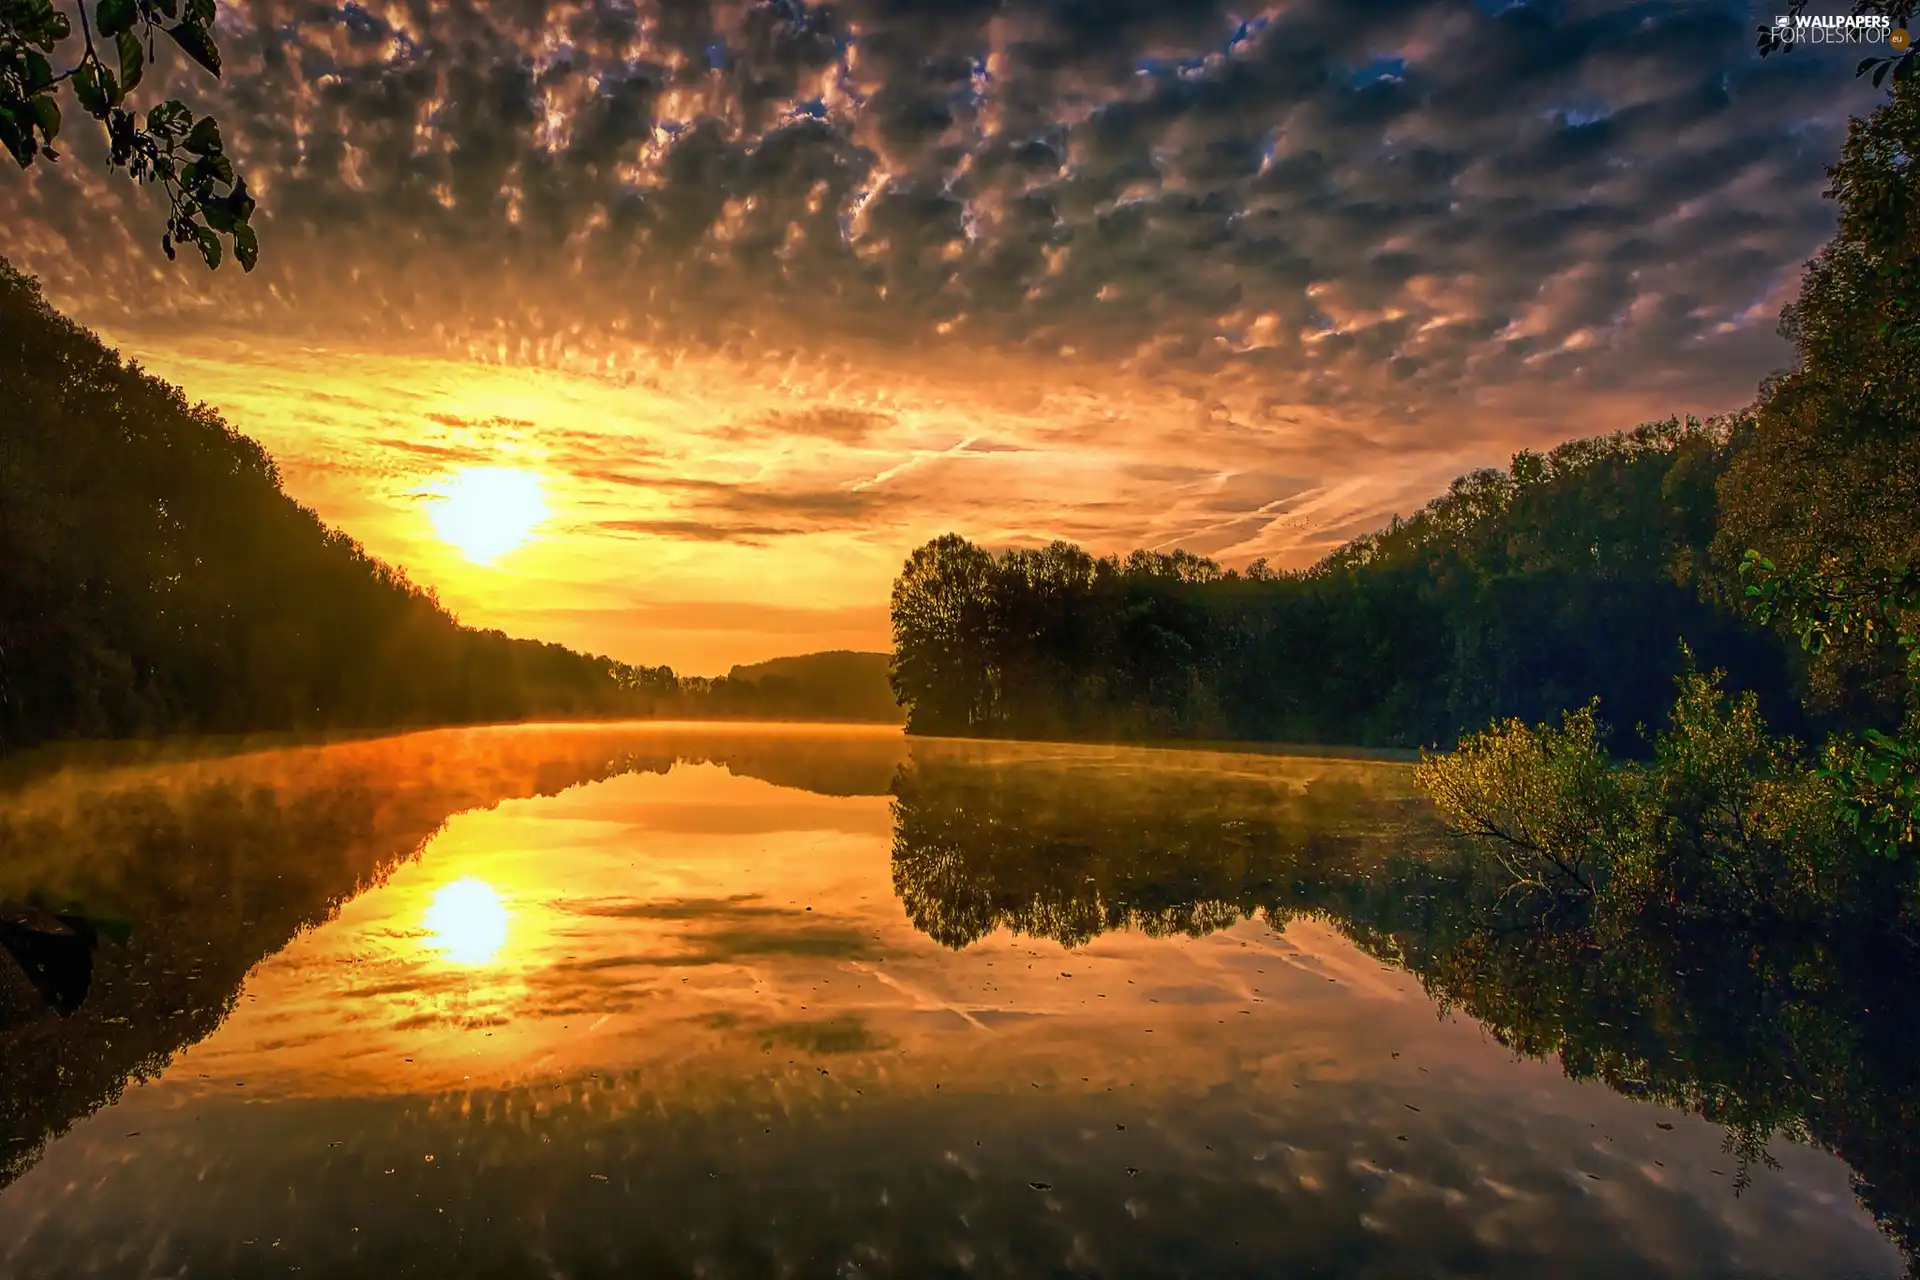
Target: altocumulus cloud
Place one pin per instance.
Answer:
(1336, 236)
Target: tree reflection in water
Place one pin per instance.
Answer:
(1793, 1035)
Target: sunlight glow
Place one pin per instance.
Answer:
(467, 921)
(486, 512)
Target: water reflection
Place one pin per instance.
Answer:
(467, 922)
(1068, 844)
(1798, 1037)
(745, 1001)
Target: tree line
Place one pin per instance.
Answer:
(1517, 593)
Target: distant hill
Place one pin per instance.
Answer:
(840, 684)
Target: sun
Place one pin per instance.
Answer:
(485, 512)
(467, 922)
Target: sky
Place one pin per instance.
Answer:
(667, 328)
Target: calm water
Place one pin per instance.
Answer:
(746, 1001)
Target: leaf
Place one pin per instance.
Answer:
(19, 144)
(204, 140)
(217, 214)
(39, 70)
(246, 247)
(115, 16)
(167, 8)
(86, 87)
(133, 59)
(46, 114)
(197, 44)
(209, 246)
(169, 119)
(200, 12)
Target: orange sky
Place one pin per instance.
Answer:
(700, 517)
(706, 515)
(731, 305)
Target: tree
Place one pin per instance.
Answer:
(157, 579)
(1828, 462)
(184, 156)
(942, 641)
(1728, 821)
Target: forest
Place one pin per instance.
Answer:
(1519, 592)
(159, 580)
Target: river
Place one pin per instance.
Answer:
(730, 1000)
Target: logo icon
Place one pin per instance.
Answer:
(1899, 39)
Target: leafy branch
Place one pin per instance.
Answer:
(183, 155)
(1876, 775)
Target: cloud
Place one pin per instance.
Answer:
(1384, 206)
(700, 530)
(848, 426)
(1022, 269)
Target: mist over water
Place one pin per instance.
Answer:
(752, 1000)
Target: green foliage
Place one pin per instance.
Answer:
(1724, 822)
(1877, 781)
(1828, 461)
(1519, 593)
(1875, 775)
(1828, 481)
(1546, 802)
(184, 156)
(1729, 820)
(1727, 827)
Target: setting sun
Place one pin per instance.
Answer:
(486, 512)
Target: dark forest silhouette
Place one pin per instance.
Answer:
(1520, 592)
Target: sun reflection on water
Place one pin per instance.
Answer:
(467, 921)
